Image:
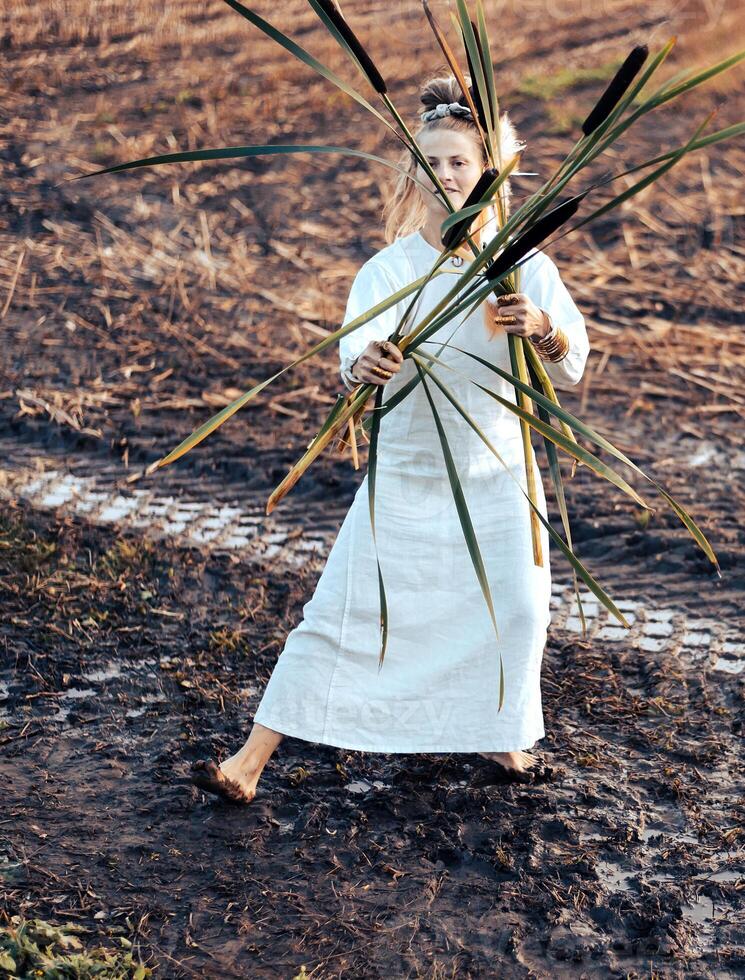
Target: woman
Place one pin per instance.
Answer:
(438, 688)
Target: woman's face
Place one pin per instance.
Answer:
(456, 160)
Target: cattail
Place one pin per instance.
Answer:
(454, 235)
(366, 63)
(533, 237)
(618, 85)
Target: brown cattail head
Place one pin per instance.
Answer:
(333, 13)
(616, 89)
(546, 225)
(457, 232)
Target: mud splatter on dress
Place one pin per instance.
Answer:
(438, 689)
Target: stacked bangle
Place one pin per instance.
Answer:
(554, 345)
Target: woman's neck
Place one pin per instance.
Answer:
(430, 232)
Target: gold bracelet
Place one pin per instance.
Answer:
(554, 346)
(553, 350)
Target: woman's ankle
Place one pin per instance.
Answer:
(245, 763)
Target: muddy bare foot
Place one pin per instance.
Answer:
(246, 777)
(515, 761)
(508, 767)
(208, 776)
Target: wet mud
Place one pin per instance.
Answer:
(127, 662)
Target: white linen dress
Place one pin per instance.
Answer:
(438, 688)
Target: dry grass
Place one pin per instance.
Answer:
(170, 290)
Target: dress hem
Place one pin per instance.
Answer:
(387, 749)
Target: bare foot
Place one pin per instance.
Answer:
(207, 776)
(514, 761)
(236, 769)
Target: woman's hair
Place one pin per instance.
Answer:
(404, 211)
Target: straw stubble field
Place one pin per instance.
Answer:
(132, 306)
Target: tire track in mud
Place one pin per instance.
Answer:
(304, 533)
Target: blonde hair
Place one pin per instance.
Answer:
(404, 211)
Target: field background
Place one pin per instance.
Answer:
(133, 305)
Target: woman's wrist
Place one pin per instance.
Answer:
(553, 345)
(548, 329)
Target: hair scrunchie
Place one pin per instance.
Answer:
(446, 109)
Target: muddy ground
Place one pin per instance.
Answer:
(626, 860)
(132, 307)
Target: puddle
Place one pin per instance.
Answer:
(729, 666)
(362, 786)
(674, 836)
(107, 673)
(613, 877)
(701, 912)
(76, 693)
(123, 668)
(725, 875)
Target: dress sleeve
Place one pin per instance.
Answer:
(544, 286)
(371, 286)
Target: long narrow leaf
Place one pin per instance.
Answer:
(372, 467)
(483, 113)
(456, 70)
(258, 150)
(601, 441)
(308, 59)
(666, 93)
(577, 565)
(645, 181)
(481, 91)
(482, 36)
(570, 447)
(465, 522)
(536, 365)
(738, 129)
(224, 414)
(557, 480)
(315, 448)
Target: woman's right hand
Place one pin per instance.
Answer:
(378, 362)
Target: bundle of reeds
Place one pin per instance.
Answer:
(495, 268)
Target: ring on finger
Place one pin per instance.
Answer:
(382, 370)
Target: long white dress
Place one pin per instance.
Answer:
(438, 688)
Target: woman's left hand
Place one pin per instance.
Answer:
(516, 313)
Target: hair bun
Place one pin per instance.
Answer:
(443, 88)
